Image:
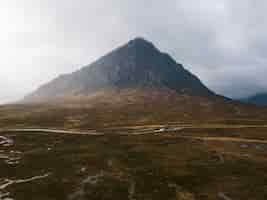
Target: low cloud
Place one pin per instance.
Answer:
(223, 42)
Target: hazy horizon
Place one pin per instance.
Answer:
(222, 42)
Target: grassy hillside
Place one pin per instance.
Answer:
(130, 107)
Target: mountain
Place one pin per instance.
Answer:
(137, 64)
(135, 84)
(258, 99)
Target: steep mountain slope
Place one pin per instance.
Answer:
(138, 64)
(258, 99)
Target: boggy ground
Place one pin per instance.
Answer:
(177, 165)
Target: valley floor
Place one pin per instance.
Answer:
(142, 162)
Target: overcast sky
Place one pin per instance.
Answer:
(224, 42)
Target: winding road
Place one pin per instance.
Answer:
(50, 131)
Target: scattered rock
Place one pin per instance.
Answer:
(110, 162)
(244, 146)
(161, 130)
(180, 193)
(223, 196)
(217, 157)
(12, 161)
(83, 169)
(4, 141)
(131, 191)
(93, 179)
(246, 155)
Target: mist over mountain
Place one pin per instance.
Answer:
(137, 64)
(259, 99)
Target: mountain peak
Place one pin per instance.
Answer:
(140, 43)
(137, 64)
(140, 40)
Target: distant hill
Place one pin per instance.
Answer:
(137, 64)
(258, 99)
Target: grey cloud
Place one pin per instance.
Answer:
(223, 42)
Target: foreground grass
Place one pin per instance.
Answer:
(221, 153)
(131, 110)
(152, 166)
